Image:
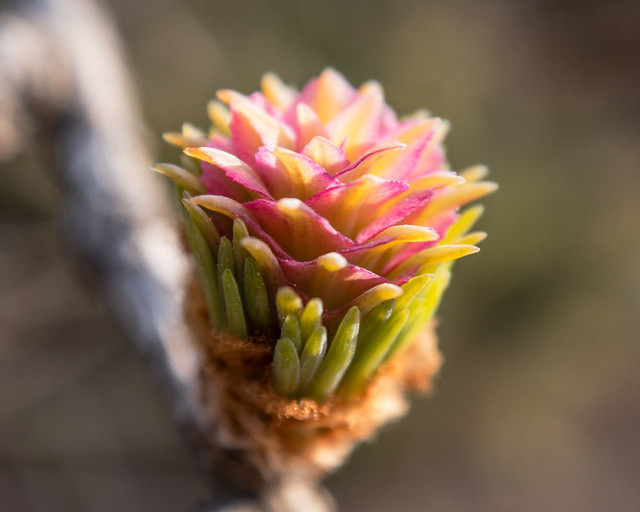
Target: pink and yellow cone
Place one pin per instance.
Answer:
(324, 228)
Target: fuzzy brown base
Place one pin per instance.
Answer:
(257, 437)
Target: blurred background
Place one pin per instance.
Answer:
(538, 405)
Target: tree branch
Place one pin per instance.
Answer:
(61, 66)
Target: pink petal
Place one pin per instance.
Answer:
(407, 206)
(349, 206)
(328, 95)
(358, 125)
(290, 174)
(405, 252)
(411, 129)
(259, 100)
(388, 119)
(428, 257)
(326, 154)
(363, 164)
(431, 160)
(233, 167)
(276, 92)
(442, 224)
(422, 137)
(221, 142)
(451, 198)
(395, 214)
(301, 232)
(219, 183)
(252, 126)
(395, 240)
(431, 157)
(404, 164)
(308, 125)
(336, 287)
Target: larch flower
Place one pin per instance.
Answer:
(324, 228)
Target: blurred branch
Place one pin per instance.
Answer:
(61, 70)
